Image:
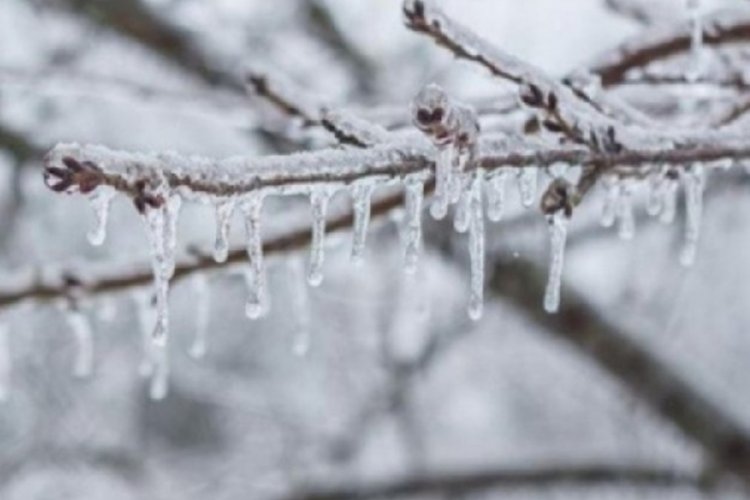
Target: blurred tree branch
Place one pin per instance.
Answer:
(322, 24)
(135, 20)
(725, 442)
(457, 483)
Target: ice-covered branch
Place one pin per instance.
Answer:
(559, 107)
(483, 481)
(643, 11)
(563, 108)
(343, 125)
(72, 167)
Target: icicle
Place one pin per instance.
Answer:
(695, 182)
(5, 362)
(655, 202)
(558, 225)
(101, 200)
(669, 201)
(159, 386)
(84, 360)
(107, 309)
(413, 223)
(257, 302)
(171, 216)
(203, 307)
(476, 247)
(462, 217)
(300, 309)
(611, 197)
(146, 316)
(162, 231)
(626, 230)
(697, 68)
(527, 185)
(224, 211)
(319, 199)
(496, 195)
(362, 194)
(443, 181)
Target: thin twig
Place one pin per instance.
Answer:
(455, 483)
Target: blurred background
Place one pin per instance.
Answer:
(374, 380)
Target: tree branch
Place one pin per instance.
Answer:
(72, 168)
(135, 20)
(18, 145)
(494, 479)
(661, 42)
(725, 441)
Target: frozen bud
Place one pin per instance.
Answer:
(557, 198)
(467, 126)
(430, 110)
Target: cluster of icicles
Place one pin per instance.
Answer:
(482, 195)
(469, 216)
